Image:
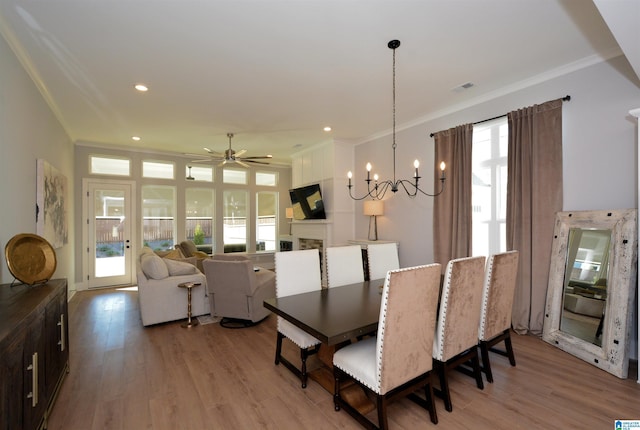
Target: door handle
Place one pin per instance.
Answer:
(33, 395)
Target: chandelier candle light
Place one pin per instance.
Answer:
(380, 188)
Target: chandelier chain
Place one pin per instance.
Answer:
(394, 115)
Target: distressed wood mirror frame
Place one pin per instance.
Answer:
(613, 355)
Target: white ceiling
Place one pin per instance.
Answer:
(275, 72)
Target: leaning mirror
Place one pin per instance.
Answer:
(591, 289)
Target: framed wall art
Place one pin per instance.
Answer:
(51, 204)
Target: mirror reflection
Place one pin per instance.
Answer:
(585, 284)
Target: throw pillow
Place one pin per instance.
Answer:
(188, 248)
(146, 250)
(177, 268)
(153, 266)
(174, 254)
(200, 254)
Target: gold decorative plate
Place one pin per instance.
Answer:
(31, 259)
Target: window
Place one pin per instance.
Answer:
(157, 169)
(109, 166)
(199, 218)
(489, 187)
(235, 221)
(199, 173)
(158, 217)
(268, 179)
(267, 208)
(233, 176)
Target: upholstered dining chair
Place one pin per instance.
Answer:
(396, 362)
(297, 272)
(456, 339)
(497, 302)
(344, 265)
(382, 257)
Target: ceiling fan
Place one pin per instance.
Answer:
(230, 156)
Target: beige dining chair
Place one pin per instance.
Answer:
(397, 362)
(382, 257)
(497, 302)
(456, 339)
(344, 265)
(297, 272)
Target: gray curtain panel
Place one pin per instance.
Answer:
(534, 195)
(452, 208)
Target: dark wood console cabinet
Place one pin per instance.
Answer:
(34, 352)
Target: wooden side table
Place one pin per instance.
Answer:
(189, 286)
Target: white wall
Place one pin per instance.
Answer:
(28, 131)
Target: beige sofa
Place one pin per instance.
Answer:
(160, 298)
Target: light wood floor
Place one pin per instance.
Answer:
(124, 376)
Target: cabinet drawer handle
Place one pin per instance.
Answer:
(62, 340)
(33, 395)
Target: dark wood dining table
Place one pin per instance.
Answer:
(333, 315)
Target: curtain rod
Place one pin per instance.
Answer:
(564, 99)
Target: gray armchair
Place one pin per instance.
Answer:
(237, 291)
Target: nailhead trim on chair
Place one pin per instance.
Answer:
(485, 297)
(444, 300)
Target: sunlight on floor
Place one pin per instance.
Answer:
(132, 288)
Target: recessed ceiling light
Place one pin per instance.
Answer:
(136, 138)
(141, 87)
(327, 129)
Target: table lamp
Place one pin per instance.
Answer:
(289, 216)
(373, 208)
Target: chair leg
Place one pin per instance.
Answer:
(486, 364)
(381, 404)
(304, 353)
(336, 388)
(278, 347)
(444, 384)
(431, 404)
(475, 362)
(507, 344)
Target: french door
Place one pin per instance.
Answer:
(109, 227)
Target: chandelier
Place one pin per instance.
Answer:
(379, 188)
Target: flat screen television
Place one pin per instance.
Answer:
(307, 202)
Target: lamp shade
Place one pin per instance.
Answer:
(289, 213)
(373, 207)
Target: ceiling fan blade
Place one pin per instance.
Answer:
(214, 153)
(242, 164)
(258, 157)
(254, 161)
(239, 153)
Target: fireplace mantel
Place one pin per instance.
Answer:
(316, 230)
